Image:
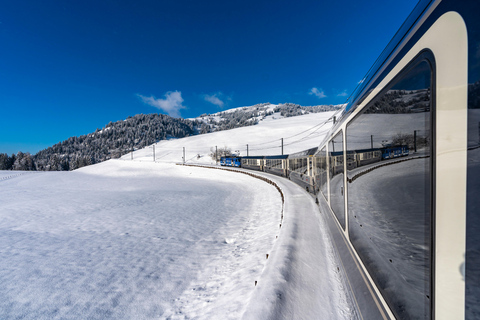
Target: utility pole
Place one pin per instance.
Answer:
(282, 146)
(153, 153)
(216, 156)
(183, 155)
(371, 141)
(247, 150)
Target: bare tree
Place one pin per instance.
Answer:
(221, 152)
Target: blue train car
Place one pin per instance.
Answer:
(394, 152)
(231, 161)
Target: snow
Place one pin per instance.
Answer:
(154, 240)
(269, 107)
(133, 240)
(302, 281)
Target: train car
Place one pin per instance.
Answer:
(276, 165)
(301, 168)
(408, 233)
(236, 162)
(253, 162)
(394, 152)
(231, 161)
(367, 156)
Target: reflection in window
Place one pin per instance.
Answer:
(321, 171)
(389, 180)
(337, 201)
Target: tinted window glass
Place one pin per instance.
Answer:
(389, 182)
(336, 178)
(469, 12)
(472, 259)
(321, 172)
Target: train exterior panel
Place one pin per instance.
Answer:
(416, 258)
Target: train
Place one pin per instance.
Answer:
(397, 177)
(302, 167)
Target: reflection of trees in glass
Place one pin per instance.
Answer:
(474, 95)
(415, 140)
(402, 101)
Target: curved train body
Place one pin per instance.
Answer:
(398, 175)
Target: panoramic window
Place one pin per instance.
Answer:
(321, 174)
(389, 190)
(337, 190)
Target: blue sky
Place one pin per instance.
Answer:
(70, 67)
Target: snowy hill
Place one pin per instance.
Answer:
(298, 133)
(251, 115)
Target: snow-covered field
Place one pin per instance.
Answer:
(142, 240)
(133, 240)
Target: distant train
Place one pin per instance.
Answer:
(302, 167)
(398, 176)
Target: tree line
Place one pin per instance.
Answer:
(112, 141)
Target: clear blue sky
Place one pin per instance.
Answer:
(69, 67)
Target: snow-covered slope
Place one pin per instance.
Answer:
(252, 115)
(298, 133)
